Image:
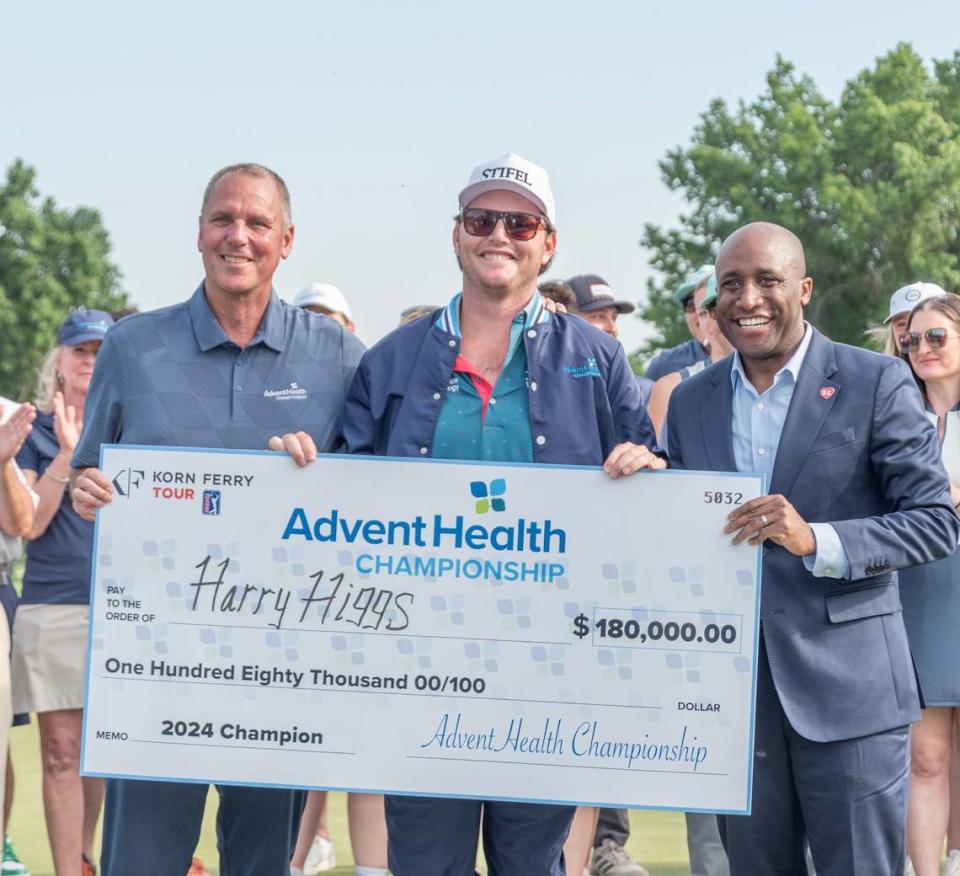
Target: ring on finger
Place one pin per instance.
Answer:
(763, 519)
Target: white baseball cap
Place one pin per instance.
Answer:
(323, 295)
(908, 297)
(512, 173)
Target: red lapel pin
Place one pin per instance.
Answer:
(826, 392)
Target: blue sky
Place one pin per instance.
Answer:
(375, 113)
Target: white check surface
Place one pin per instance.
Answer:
(491, 631)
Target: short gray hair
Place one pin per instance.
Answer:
(249, 168)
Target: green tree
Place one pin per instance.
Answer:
(51, 259)
(870, 184)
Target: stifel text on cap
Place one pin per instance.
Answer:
(506, 173)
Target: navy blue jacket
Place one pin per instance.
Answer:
(583, 397)
(856, 452)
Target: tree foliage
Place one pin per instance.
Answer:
(870, 184)
(51, 259)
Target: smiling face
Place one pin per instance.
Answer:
(710, 333)
(690, 307)
(931, 363)
(604, 318)
(762, 291)
(243, 236)
(76, 367)
(497, 264)
(898, 325)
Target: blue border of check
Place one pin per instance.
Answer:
(341, 456)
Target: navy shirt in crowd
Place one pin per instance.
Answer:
(58, 562)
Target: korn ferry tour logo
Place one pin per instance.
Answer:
(127, 480)
(443, 544)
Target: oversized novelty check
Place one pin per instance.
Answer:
(422, 627)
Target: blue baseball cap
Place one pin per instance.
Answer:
(711, 297)
(687, 287)
(84, 325)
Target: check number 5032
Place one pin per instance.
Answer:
(711, 497)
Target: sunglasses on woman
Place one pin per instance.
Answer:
(519, 226)
(936, 339)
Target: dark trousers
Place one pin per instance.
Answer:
(612, 824)
(431, 836)
(152, 828)
(847, 798)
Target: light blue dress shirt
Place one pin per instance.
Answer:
(758, 420)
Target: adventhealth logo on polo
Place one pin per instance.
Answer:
(292, 392)
(587, 369)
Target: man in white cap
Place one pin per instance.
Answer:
(496, 377)
(328, 300)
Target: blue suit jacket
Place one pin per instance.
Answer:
(866, 460)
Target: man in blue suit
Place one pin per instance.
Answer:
(856, 491)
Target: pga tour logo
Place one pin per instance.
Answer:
(211, 502)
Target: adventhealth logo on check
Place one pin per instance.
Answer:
(489, 496)
(433, 530)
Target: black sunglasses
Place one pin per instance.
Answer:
(688, 305)
(519, 226)
(936, 339)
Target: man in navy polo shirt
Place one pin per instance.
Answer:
(689, 352)
(495, 376)
(230, 367)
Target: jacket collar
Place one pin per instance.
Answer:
(813, 398)
(533, 314)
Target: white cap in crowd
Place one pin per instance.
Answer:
(323, 295)
(908, 297)
(515, 174)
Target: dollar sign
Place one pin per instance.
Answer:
(580, 626)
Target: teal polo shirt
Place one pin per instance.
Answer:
(483, 422)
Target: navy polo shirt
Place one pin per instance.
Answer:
(58, 562)
(173, 377)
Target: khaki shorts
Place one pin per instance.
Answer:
(49, 663)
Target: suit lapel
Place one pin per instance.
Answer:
(813, 399)
(716, 419)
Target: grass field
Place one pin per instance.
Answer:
(657, 838)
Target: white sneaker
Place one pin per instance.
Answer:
(951, 866)
(611, 859)
(321, 856)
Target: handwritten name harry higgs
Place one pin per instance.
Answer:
(371, 608)
(586, 741)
